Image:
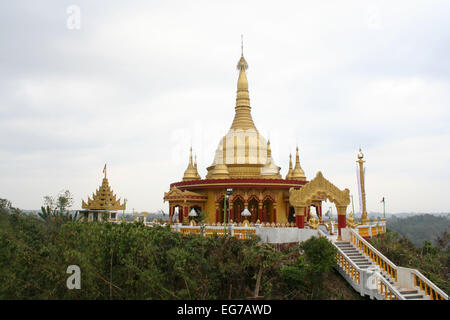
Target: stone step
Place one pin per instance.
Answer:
(361, 261)
(406, 291)
(417, 296)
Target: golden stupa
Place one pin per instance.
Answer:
(243, 162)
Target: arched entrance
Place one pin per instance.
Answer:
(319, 188)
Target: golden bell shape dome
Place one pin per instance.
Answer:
(298, 173)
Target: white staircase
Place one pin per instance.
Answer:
(363, 262)
(372, 274)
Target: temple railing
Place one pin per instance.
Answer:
(372, 228)
(376, 256)
(405, 277)
(239, 232)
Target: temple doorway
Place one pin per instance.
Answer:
(238, 207)
(253, 206)
(268, 210)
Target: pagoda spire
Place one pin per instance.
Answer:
(191, 171)
(195, 167)
(298, 173)
(289, 174)
(242, 117)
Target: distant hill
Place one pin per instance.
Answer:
(406, 214)
(418, 228)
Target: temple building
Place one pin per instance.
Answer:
(242, 162)
(103, 205)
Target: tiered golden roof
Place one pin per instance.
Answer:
(103, 199)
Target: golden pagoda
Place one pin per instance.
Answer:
(242, 162)
(103, 202)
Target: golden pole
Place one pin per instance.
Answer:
(363, 191)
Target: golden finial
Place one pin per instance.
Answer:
(360, 154)
(242, 64)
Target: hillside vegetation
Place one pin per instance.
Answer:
(132, 261)
(419, 228)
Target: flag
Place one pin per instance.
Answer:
(382, 200)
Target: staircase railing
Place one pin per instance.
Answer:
(430, 289)
(360, 278)
(385, 288)
(348, 266)
(376, 256)
(405, 276)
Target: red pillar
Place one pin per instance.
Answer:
(300, 221)
(170, 213)
(186, 213)
(319, 212)
(341, 223)
(217, 214)
(275, 215)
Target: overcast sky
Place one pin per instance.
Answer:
(139, 81)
